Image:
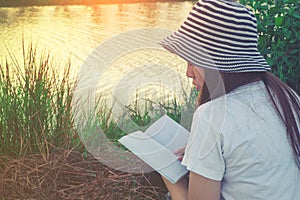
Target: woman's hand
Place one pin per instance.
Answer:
(180, 153)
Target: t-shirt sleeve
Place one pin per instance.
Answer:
(203, 153)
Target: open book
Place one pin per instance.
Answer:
(156, 147)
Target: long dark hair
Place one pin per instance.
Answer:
(285, 100)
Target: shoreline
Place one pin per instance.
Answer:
(20, 3)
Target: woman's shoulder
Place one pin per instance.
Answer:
(244, 99)
(248, 93)
(254, 88)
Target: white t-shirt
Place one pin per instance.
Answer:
(240, 140)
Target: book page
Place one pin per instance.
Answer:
(173, 172)
(168, 133)
(157, 145)
(154, 154)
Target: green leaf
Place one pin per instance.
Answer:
(279, 20)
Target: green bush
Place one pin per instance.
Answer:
(279, 36)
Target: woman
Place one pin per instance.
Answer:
(245, 140)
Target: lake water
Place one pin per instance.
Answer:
(74, 32)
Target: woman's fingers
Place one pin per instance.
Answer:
(180, 157)
(179, 153)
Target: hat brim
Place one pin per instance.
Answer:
(200, 55)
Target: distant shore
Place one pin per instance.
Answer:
(16, 3)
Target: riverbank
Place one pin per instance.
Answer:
(16, 3)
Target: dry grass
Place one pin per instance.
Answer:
(68, 175)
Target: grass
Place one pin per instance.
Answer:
(69, 175)
(36, 114)
(41, 154)
(35, 107)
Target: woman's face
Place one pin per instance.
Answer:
(197, 74)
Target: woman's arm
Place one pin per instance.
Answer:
(201, 188)
(197, 188)
(179, 190)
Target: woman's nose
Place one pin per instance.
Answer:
(190, 72)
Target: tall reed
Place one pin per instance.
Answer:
(35, 105)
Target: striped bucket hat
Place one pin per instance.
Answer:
(218, 34)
